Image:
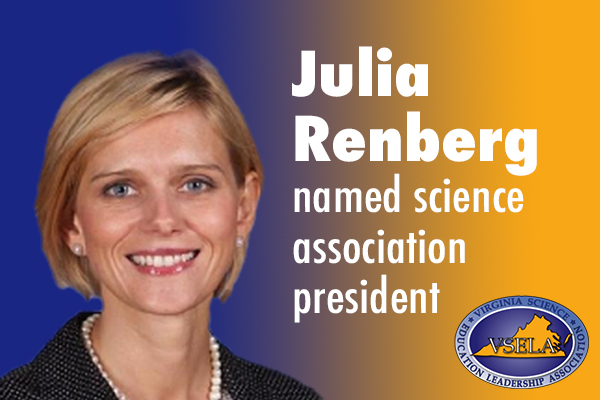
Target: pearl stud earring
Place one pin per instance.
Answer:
(239, 242)
(78, 249)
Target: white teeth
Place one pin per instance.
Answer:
(139, 260)
(162, 261)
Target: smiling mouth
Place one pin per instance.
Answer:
(163, 261)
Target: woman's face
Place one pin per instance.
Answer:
(158, 212)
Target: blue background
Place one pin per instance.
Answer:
(47, 48)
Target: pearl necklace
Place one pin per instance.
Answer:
(215, 381)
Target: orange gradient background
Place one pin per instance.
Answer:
(504, 66)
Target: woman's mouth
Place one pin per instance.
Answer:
(163, 262)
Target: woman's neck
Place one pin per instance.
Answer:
(152, 357)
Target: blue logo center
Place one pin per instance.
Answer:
(521, 342)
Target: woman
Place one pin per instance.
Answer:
(146, 199)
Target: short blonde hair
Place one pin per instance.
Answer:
(129, 91)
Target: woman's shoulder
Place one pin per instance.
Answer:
(243, 379)
(63, 369)
(19, 384)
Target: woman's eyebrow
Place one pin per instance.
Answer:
(122, 172)
(195, 167)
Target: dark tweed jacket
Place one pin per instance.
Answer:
(63, 370)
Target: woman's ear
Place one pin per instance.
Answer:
(247, 204)
(75, 239)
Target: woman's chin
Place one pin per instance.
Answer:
(167, 301)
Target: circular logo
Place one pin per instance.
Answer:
(521, 342)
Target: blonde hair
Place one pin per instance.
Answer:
(129, 91)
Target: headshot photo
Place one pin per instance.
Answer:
(146, 200)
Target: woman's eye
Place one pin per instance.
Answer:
(119, 190)
(196, 185)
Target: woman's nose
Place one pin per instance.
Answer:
(162, 214)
